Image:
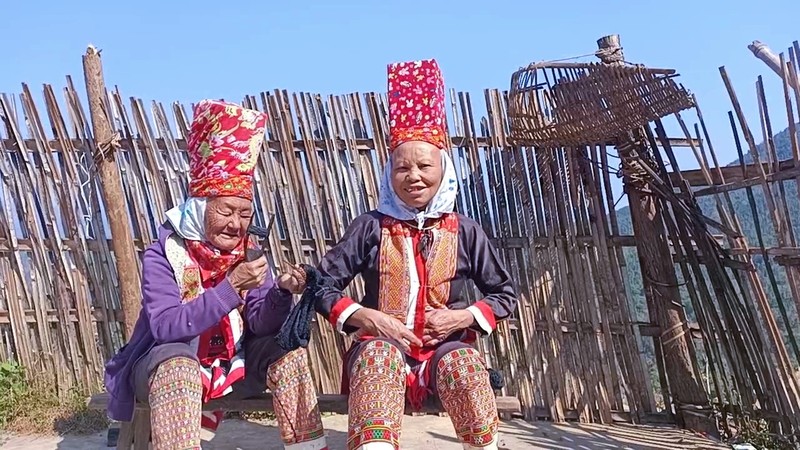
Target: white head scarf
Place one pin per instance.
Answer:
(442, 203)
(188, 219)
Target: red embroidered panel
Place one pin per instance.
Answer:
(393, 295)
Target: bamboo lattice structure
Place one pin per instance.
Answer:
(564, 104)
(583, 103)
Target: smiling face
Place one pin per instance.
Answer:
(226, 221)
(416, 172)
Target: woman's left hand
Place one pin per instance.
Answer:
(293, 279)
(441, 323)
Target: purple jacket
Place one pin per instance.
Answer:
(164, 318)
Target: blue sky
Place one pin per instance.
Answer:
(180, 50)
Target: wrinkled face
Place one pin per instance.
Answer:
(226, 221)
(416, 172)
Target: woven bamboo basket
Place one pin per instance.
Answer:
(572, 104)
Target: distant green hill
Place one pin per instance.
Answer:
(746, 219)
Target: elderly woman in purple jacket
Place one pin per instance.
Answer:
(209, 318)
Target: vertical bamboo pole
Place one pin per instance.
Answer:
(105, 145)
(658, 275)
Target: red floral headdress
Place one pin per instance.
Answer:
(223, 148)
(417, 103)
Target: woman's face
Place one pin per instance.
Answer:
(416, 172)
(226, 221)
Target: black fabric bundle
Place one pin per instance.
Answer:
(496, 379)
(296, 330)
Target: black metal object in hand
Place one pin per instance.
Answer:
(262, 233)
(253, 254)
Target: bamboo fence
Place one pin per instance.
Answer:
(574, 350)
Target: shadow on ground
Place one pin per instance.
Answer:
(549, 436)
(241, 435)
(231, 435)
(425, 433)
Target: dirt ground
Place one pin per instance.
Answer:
(426, 432)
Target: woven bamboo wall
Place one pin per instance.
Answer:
(574, 349)
(569, 352)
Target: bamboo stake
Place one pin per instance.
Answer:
(688, 258)
(763, 52)
(83, 265)
(17, 296)
(729, 217)
(112, 190)
(100, 263)
(24, 181)
(738, 241)
(778, 347)
(61, 281)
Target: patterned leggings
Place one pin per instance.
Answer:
(377, 395)
(295, 401)
(176, 392)
(176, 403)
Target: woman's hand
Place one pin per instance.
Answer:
(248, 274)
(293, 280)
(378, 324)
(441, 323)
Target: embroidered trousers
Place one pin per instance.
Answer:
(173, 388)
(377, 385)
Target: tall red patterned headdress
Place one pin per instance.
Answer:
(223, 148)
(417, 103)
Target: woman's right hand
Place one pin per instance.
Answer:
(375, 323)
(249, 274)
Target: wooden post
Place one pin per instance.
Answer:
(773, 61)
(113, 197)
(659, 279)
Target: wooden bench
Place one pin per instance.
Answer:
(136, 434)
